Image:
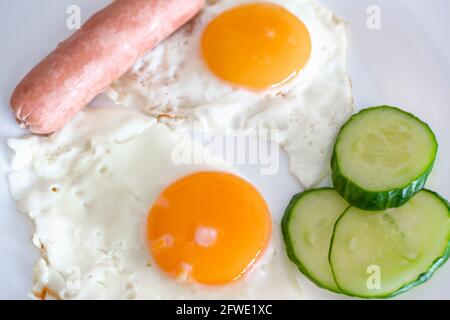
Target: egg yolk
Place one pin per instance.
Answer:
(208, 227)
(257, 46)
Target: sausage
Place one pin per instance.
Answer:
(105, 47)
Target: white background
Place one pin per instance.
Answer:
(406, 63)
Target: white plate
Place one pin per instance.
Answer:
(405, 63)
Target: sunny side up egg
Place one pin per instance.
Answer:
(278, 65)
(118, 217)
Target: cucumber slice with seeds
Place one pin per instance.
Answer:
(382, 157)
(307, 227)
(405, 245)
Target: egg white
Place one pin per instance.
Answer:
(89, 189)
(174, 81)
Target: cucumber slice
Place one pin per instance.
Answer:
(307, 227)
(406, 245)
(382, 157)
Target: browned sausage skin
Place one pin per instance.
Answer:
(100, 52)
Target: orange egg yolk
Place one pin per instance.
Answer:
(208, 227)
(257, 46)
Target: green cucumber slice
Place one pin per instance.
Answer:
(382, 157)
(307, 227)
(403, 246)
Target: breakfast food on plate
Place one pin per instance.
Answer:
(120, 214)
(94, 56)
(382, 157)
(277, 65)
(117, 217)
(307, 229)
(373, 254)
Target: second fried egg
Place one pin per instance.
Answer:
(278, 65)
(119, 217)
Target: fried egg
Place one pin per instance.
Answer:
(119, 217)
(278, 65)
